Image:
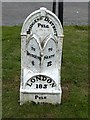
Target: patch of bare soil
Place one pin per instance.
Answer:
(66, 88)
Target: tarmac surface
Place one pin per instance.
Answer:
(14, 13)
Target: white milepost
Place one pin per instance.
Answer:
(41, 52)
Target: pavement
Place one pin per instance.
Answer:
(14, 13)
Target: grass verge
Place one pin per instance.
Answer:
(74, 77)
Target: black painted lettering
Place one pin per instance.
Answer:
(49, 80)
(38, 77)
(49, 63)
(53, 84)
(35, 20)
(28, 53)
(45, 97)
(29, 84)
(54, 27)
(51, 56)
(33, 63)
(39, 24)
(34, 56)
(50, 49)
(48, 57)
(44, 78)
(45, 57)
(45, 86)
(51, 23)
(28, 32)
(33, 80)
(41, 97)
(40, 86)
(55, 34)
(36, 96)
(46, 19)
(32, 48)
(43, 25)
(36, 85)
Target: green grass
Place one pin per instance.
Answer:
(74, 77)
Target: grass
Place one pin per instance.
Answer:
(74, 77)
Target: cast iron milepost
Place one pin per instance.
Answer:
(41, 54)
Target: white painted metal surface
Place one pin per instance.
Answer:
(41, 51)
